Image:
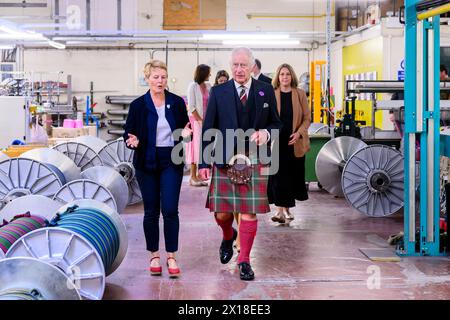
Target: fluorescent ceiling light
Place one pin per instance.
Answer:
(228, 36)
(56, 45)
(10, 33)
(261, 42)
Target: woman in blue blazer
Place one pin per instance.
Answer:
(149, 131)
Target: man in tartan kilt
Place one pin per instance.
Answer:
(239, 105)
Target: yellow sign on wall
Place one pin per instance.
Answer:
(364, 58)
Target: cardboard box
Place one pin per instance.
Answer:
(54, 141)
(61, 132)
(92, 130)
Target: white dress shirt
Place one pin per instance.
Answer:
(247, 86)
(164, 137)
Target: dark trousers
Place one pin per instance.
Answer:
(160, 190)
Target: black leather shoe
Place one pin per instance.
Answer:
(226, 249)
(246, 272)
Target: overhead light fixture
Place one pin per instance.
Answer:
(262, 42)
(242, 36)
(56, 45)
(10, 33)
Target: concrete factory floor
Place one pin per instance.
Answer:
(316, 256)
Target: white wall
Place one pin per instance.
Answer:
(117, 72)
(147, 14)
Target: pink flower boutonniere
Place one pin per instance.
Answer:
(261, 94)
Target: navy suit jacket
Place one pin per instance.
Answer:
(264, 78)
(222, 109)
(138, 124)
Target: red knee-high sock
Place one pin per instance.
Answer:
(247, 233)
(226, 226)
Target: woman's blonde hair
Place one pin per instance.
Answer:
(153, 64)
(276, 79)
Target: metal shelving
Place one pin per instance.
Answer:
(124, 101)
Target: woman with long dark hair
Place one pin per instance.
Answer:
(197, 97)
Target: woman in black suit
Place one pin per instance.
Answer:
(149, 130)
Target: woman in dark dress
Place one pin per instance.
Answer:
(288, 184)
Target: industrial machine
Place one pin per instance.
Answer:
(422, 103)
(347, 125)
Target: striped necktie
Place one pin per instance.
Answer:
(243, 95)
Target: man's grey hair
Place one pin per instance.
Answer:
(245, 50)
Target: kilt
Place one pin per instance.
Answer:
(224, 196)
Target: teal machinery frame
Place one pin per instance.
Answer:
(422, 117)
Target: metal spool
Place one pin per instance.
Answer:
(318, 128)
(3, 157)
(17, 228)
(85, 189)
(111, 180)
(83, 156)
(372, 180)
(331, 160)
(118, 156)
(75, 246)
(366, 132)
(92, 142)
(32, 279)
(55, 159)
(34, 204)
(20, 177)
(115, 218)
(71, 252)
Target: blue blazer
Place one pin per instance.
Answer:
(265, 79)
(222, 109)
(144, 128)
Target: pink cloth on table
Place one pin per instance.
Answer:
(69, 123)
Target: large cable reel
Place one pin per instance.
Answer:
(370, 177)
(18, 227)
(3, 157)
(32, 279)
(20, 177)
(85, 189)
(80, 153)
(35, 204)
(318, 128)
(86, 239)
(372, 180)
(119, 157)
(92, 142)
(58, 162)
(112, 181)
(331, 160)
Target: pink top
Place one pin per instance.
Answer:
(205, 97)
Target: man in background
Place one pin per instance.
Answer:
(257, 73)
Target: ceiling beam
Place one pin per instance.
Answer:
(23, 4)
